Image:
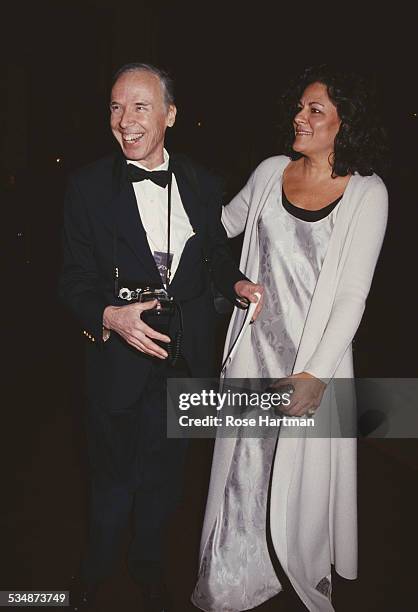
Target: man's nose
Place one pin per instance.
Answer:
(126, 118)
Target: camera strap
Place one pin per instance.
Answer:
(168, 258)
(174, 348)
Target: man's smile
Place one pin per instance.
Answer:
(132, 138)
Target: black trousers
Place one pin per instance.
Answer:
(135, 470)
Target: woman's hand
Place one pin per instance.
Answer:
(307, 394)
(246, 289)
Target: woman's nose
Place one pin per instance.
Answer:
(300, 116)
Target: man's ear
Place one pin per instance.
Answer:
(171, 118)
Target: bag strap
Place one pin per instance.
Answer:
(247, 321)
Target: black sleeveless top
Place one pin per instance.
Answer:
(308, 215)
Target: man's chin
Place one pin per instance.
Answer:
(139, 153)
(134, 151)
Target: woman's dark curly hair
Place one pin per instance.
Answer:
(360, 145)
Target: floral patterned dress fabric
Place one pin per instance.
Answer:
(236, 571)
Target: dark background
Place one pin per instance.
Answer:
(230, 64)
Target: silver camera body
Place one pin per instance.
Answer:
(147, 294)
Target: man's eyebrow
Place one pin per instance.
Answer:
(137, 103)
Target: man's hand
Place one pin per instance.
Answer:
(246, 289)
(126, 321)
(307, 394)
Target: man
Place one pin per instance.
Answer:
(139, 219)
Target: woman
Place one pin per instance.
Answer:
(314, 224)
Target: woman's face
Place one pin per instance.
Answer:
(316, 123)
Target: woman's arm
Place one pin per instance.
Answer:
(225, 272)
(354, 285)
(235, 214)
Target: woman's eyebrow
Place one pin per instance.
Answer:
(310, 103)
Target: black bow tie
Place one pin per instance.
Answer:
(159, 177)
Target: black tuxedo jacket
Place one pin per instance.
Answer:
(101, 212)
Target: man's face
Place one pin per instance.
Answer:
(139, 117)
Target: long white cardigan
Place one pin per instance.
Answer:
(313, 513)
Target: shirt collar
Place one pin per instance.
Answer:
(163, 166)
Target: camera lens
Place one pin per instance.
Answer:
(125, 294)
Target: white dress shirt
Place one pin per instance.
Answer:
(152, 201)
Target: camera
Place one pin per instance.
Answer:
(167, 304)
(162, 318)
(147, 294)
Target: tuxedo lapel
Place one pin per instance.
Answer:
(188, 194)
(127, 220)
(191, 200)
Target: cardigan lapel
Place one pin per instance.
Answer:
(326, 285)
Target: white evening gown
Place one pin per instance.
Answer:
(236, 572)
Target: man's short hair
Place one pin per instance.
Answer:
(165, 79)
